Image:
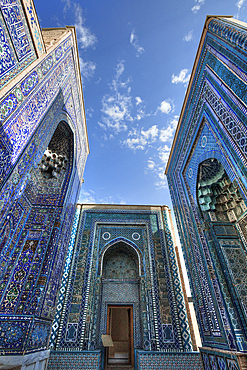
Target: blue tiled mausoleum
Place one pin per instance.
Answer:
(122, 263)
(207, 178)
(43, 149)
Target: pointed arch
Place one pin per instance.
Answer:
(135, 251)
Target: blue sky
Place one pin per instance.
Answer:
(136, 58)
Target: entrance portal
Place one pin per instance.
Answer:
(120, 327)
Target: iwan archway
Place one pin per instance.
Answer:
(120, 272)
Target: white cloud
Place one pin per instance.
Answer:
(98, 81)
(87, 68)
(151, 164)
(166, 134)
(135, 43)
(164, 152)
(138, 100)
(102, 125)
(165, 107)
(141, 139)
(111, 200)
(105, 137)
(162, 184)
(84, 35)
(158, 170)
(157, 166)
(182, 77)
(136, 141)
(116, 106)
(151, 133)
(197, 6)
(67, 5)
(240, 3)
(87, 197)
(89, 112)
(189, 36)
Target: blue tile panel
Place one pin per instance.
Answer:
(74, 361)
(14, 19)
(160, 320)
(168, 361)
(62, 289)
(17, 50)
(37, 212)
(214, 126)
(219, 360)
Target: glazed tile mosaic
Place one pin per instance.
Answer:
(73, 361)
(207, 173)
(174, 361)
(15, 41)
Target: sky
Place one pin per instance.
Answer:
(136, 57)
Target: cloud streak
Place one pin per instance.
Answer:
(90, 197)
(119, 108)
(189, 36)
(135, 42)
(197, 6)
(160, 139)
(87, 68)
(117, 105)
(182, 77)
(140, 139)
(84, 35)
(158, 169)
(239, 4)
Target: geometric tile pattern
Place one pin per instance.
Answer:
(217, 360)
(115, 293)
(74, 361)
(184, 326)
(65, 279)
(169, 361)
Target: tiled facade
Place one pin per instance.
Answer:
(122, 255)
(207, 179)
(43, 149)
